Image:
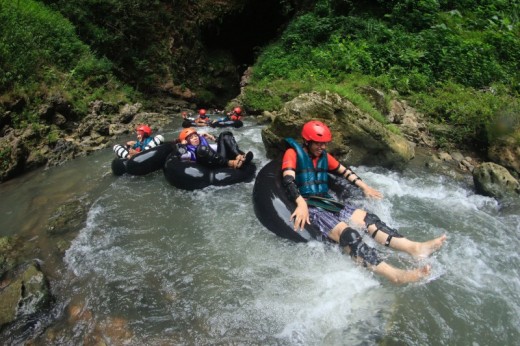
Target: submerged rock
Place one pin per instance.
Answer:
(23, 292)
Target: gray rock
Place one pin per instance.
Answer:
(494, 180)
(457, 156)
(506, 152)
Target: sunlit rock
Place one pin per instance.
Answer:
(357, 137)
(494, 180)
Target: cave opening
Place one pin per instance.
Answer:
(244, 33)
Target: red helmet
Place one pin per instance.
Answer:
(316, 131)
(202, 112)
(147, 131)
(186, 133)
(237, 110)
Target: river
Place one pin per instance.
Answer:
(155, 265)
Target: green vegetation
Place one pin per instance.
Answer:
(459, 61)
(456, 61)
(131, 34)
(42, 58)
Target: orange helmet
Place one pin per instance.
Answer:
(145, 129)
(316, 131)
(186, 133)
(237, 110)
(202, 112)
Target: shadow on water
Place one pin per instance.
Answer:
(156, 265)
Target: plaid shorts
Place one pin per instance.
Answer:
(327, 220)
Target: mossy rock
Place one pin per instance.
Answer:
(357, 138)
(69, 217)
(25, 291)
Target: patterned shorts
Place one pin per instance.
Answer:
(327, 220)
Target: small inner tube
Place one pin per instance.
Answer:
(188, 175)
(227, 123)
(188, 123)
(143, 163)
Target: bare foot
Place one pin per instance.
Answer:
(400, 276)
(414, 275)
(426, 248)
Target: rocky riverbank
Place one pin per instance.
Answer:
(61, 137)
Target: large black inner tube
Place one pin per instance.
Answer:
(143, 163)
(188, 175)
(273, 208)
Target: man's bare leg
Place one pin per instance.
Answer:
(414, 248)
(395, 275)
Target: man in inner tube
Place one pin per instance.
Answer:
(305, 172)
(203, 118)
(195, 147)
(144, 142)
(235, 114)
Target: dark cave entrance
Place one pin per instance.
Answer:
(244, 33)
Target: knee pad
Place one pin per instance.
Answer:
(351, 238)
(372, 219)
(206, 155)
(121, 151)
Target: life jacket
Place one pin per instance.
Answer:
(192, 149)
(139, 146)
(311, 181)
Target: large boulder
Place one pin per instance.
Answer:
(506, 152)
(494, 180)
(358, 138)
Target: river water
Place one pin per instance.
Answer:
(159, 266)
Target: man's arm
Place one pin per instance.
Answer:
(355, 180)
(300, 216)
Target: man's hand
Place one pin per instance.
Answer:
(132, 152)
(300, 216)
(371, 192)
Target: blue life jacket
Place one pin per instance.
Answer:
(141, 145)
(311, 181)
(192, 149)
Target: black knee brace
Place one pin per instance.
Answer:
(351, 238)
(208, 156)
(372, 219)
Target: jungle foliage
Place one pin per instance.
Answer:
(458, 60)
(42, 57)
